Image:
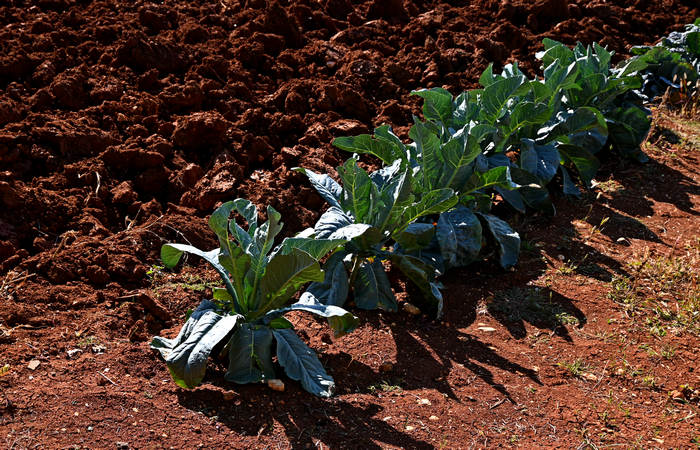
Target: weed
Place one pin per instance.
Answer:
(385, 386)
(576, 368)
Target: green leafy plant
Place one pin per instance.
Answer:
(245, 319)
(456, 237)
(370, 212)
(672, 63)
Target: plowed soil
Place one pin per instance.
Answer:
(124, 123)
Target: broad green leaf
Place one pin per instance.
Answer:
(555, 52)
(495, 177)
(326, 186)
(263, 241)
(284, 275)
(497, 95)
(428, 149)
(280, 323)
(433, 202)
(372, 288)
(340, 321)
(569, 186)
(301, 363)
(437, 105)
(628, 129)
(221, 295)
(359, 193)
(508, 240)
(383, 149)
(317, 248)
(250, 355)
(416, 236)
(586, 164)
(359, 231)
(331, 221)
(459, 236)
(187, 360)
(335, 287)
(540, 160)
(165, 345)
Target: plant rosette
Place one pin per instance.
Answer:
(245, 319)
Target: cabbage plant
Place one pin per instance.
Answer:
(371, 211)
(245, 319)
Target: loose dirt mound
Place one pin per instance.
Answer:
(122, 124)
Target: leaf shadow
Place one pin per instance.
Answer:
(307, 420)
(542, 308)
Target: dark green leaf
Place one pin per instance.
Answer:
(301, 363)
(508, 240)
(250, 355)
(459, 236)
(372, 288)
(326, 186)
(187, 355)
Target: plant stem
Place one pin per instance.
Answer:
(355, 266)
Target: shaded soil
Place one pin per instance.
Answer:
(122, 124)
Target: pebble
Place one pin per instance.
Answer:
(33, 364)
(590, 377)
(423, 401)
(411, 309)
(433, 418)
(410, 428)
(487, 329)
(276, 385)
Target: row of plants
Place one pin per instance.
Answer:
(426, 210)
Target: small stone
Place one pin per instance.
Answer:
(33, 364)
(387, 418)
(90, 428)
(676, 395)
(423, 401)
(433, 418)
(386, 367)
(561, 257)
(276, 385)
(410, 428)
(99, 349)
(619, 371)
(122, 445)
(487, 329)
(590, 377)
(621, 239)
(411, 309)
(73, 353)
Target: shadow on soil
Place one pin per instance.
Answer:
(652, 180)
(305, 419)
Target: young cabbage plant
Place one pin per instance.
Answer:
(455, 162)
(245, 319)
(598, 86)
(672, 63)
(370, 212)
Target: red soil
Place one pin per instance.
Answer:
(122, 124)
